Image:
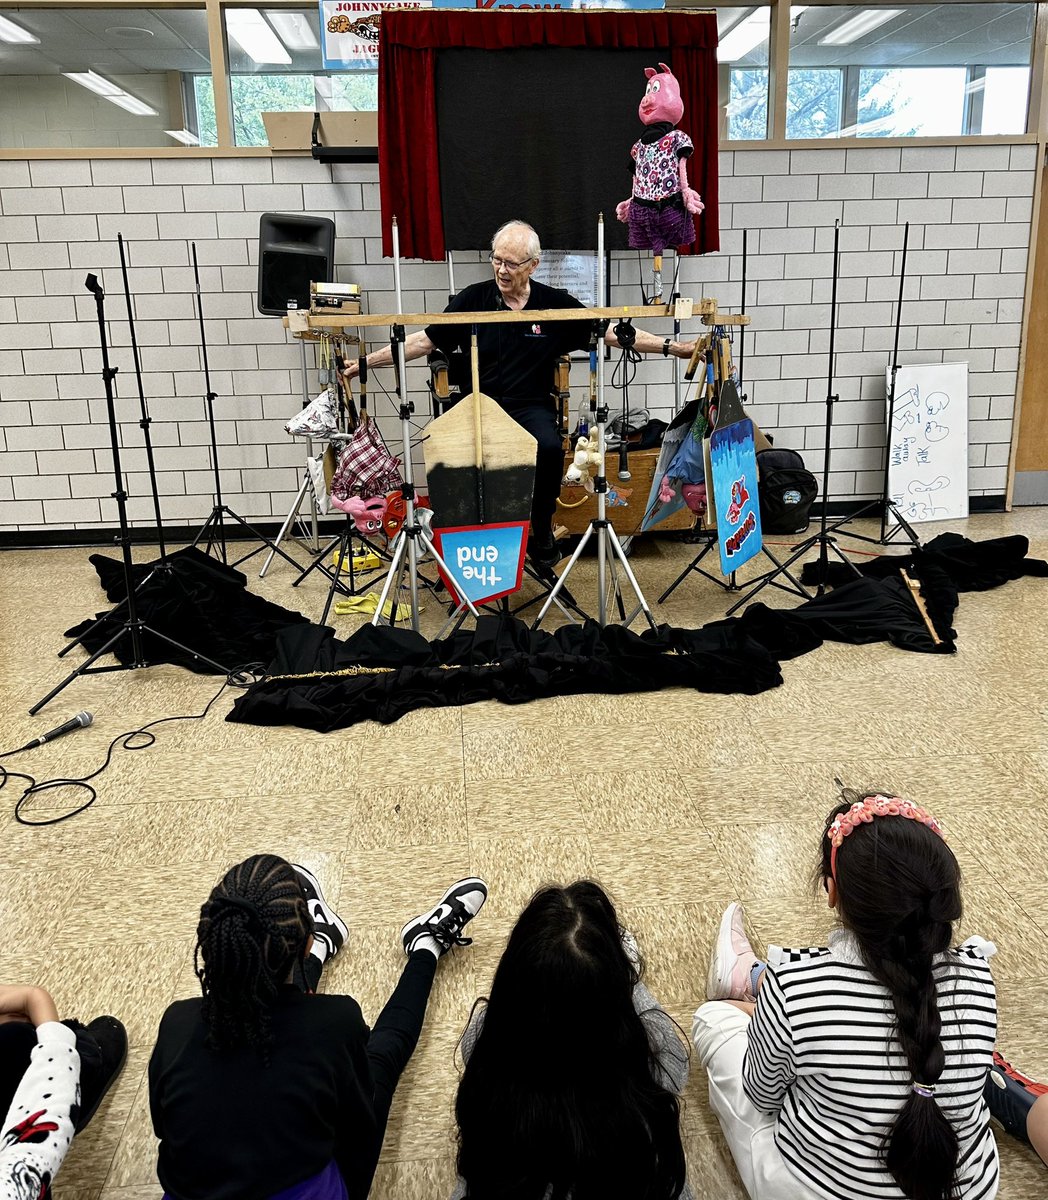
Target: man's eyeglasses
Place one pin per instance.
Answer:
(497, 261)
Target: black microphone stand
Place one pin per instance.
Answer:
(884, 502)
(144, 422)
(214, 528)
(132, 626)
(824, 539)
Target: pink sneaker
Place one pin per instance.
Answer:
(732, 959)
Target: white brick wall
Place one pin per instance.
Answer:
(969, 209)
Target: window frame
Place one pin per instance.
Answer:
(778, 78)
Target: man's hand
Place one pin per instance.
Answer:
(31, 1004)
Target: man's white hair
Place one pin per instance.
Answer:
(534, 246)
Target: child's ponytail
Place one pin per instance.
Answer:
(898, 888)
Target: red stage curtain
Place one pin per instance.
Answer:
(409, 171)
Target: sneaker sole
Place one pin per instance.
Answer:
(718, 982)
(336, 920)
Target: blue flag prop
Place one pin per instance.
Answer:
(733, 460)
(486, 561)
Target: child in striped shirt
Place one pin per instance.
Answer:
(855, 1071)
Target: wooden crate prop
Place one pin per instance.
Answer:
(625, 519)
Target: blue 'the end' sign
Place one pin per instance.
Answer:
(485, 561)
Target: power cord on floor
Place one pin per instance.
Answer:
(242, 677)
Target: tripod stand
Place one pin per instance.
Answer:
(824, 539)
(213, 531)
(609, 548)
(886, 504)
(163, 565)
(413, 533)
(132, 626)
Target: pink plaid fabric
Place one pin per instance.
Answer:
(365, 468)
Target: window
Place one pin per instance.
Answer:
(924, 70)
(98, 76)
(275, 65)
(743, 58)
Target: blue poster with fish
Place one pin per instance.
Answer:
(733, 460)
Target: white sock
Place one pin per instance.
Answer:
(319, 951)
(426, 941)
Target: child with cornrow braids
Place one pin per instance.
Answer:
(856, 1071)
(262, 1089)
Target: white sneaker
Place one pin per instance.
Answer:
(732, 959)
(329, 930)
(445, 921)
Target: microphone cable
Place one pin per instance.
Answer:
(622, 376)
(242, 677)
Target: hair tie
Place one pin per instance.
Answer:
(926, 1090)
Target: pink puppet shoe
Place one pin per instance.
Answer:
(732, 959)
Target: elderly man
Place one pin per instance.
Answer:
(516, 360)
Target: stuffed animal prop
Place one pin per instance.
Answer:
(586, 456)
(367, 515)
(661, 211)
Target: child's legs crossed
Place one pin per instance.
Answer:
(720, 1033)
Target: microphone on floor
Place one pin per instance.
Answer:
(80, 721)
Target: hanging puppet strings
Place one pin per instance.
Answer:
(661, 212)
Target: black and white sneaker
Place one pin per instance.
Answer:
(441, 927)
(329, 930)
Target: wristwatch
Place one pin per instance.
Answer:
(666, 347)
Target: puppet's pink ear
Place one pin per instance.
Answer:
(663, 67)
(649, 72)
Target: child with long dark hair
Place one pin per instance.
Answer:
(857, 1070)
(263, 1089)
(572, 1070)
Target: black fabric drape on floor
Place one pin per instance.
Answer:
(194, 599)
(379, 674)
(316, 681)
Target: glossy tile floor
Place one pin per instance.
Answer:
(678, 802)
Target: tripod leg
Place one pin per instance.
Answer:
(345, 547)
(643, 604)
(261, 537)
(206, 529)
(558, 587)
(121, 604)
(318, 563)
(692, 566)
(293, 512)
(82, 669)
(782, 569)
(394, 569)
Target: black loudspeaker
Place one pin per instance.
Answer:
(293, 252)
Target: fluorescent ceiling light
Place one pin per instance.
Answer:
(94, 83)
(253, 34)
(184, 136)
(747, 35)
(15, 34)
(133, 105)
(863, 23)
(295, 30)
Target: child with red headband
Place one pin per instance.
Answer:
(857, 1069)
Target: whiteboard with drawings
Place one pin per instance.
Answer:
(928, 442)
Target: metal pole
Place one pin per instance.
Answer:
(143, 408)
(602, 414)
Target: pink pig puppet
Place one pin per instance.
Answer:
(660, 211)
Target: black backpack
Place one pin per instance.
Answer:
(787, 491)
